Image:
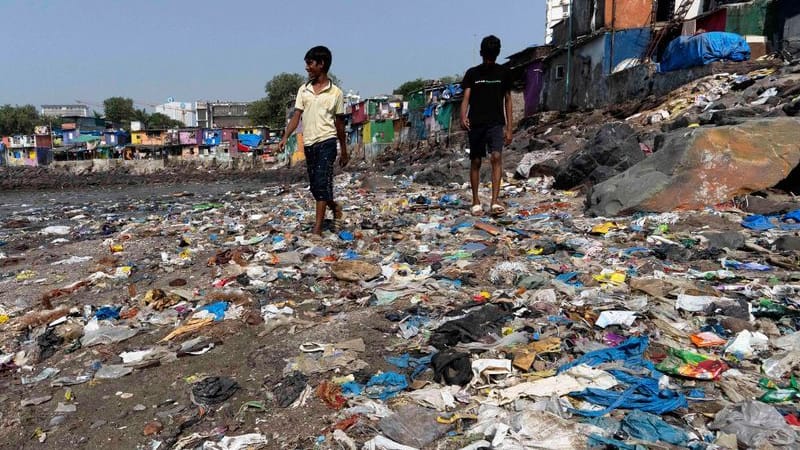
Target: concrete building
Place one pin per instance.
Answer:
(184, 112)
(65, 110)
(222, 114)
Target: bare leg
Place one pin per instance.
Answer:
(475, 179)
(321, 204)
(334, 207)
(497, 173)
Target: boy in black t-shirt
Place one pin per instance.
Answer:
(486, 114)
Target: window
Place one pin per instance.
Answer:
(559, 72)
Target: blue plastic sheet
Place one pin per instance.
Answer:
(651, 428)
(351, 389)
(692, 51)
(250, 140)
(217, 308)
(757, 222)
(788, 222)
(733, 264)
(107, 313)
(642, 392)
(386, 385)
(405, 361)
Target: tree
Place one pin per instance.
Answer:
(18, 119)
(410, 87)
(159, 121)
(450, 79)
(119, 110)
(139, 115)
(259, 112)
(280, 90)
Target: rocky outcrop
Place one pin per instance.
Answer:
(613, 149)
(705, 166)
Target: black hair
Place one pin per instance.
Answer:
(320, 54)
(490, 47)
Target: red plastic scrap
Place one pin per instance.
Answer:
(331, 394)
(343, 425)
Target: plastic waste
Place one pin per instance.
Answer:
(413, 425)
(386, 385)
(213, 390)
(94, 334)
(691, 365)
(113, 371)
(652, 428)
(755, 425)
(608, 318)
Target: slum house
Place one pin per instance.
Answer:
(152, 144)
(190, 139)
(527, 71)
(434, 113)
(21, 150)
(602, 49)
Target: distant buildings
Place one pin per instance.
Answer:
(184, 112)
(222, 114)
(65, 110)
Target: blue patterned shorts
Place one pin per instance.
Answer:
(319, 162)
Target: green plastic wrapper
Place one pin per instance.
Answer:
(691, 365)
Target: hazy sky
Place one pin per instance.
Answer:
(57, 51)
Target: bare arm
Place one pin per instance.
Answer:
(344, 158)
(295, 120)
(465, 108)
(509, 118)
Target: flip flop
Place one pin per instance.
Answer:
(498, 210)
(476, 210)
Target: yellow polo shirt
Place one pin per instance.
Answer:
(319, 111)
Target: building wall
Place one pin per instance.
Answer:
(65, 110)
(592, 62)
(625, 44)
(557, 10)
(148, 138)
(623, 14)
(755, 18)
(185, 112)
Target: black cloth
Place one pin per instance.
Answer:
(488, 84)
(213, 390)
(471, 327)
(452, 367)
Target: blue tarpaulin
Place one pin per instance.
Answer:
(642, 392)
(705, 48)
(250, 140)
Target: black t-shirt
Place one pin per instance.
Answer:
(489, 83)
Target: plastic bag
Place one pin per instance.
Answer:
(413, 425)
(755, 425)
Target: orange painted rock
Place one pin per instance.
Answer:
(703, 167)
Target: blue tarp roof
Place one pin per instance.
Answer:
(705, 48)
(250, 140)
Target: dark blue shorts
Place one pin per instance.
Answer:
(484, 140)
(319, 162)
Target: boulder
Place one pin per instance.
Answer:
(615, 148)
(702, 167)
